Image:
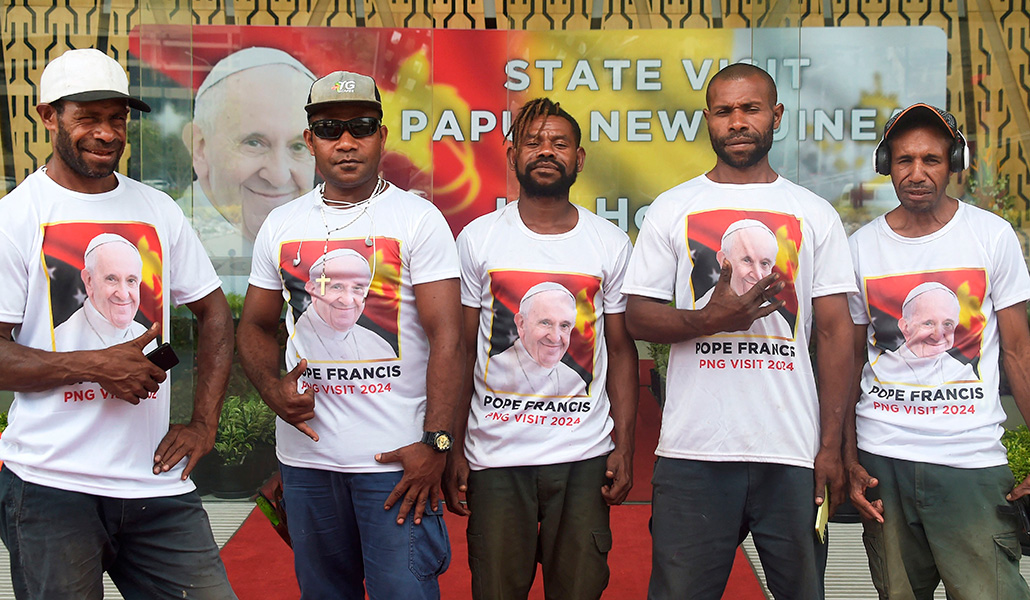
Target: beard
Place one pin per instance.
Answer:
(72, 155)
(557, 188)
(763, 143)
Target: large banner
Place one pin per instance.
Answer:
(229, 101)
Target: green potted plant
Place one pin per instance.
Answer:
(244, 453)
(246, 423)
(660, 356)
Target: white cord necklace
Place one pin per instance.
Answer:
(363, 205)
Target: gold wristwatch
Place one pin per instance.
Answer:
(441, 441)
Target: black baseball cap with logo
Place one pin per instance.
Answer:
(344, 87)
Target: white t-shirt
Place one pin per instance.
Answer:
(945, 408)
(363, 406)
(75, 437)
(748, 395)
(524, 412)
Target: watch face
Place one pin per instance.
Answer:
(443, 442)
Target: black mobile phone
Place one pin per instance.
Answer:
(1020, 508)
(1023, 512)
(163, 356)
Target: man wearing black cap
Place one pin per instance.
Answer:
(362, 439)
(94, 478)
(922, 447)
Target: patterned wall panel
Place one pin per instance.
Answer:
(988, 47)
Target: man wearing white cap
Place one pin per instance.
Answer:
(926, 466)
(247, 141)
(533, 364)
(329, 329)
(112, 275)
(94, 478)
(362, 446)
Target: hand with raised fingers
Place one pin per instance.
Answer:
(296, 408)
(726, 311)
(124, 372)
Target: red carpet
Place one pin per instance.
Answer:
(260, 564)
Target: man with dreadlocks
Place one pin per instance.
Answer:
(541, 278)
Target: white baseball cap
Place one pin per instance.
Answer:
(83, 76)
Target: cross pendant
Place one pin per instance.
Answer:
(323, 280)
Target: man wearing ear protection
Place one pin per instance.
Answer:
(370, 276)
(940, 282)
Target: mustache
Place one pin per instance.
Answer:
(746, 137)
(102, 146)
(542, 161)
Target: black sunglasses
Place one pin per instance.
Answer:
(332, 129)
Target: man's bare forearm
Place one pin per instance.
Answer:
(1015, 354)
(30, 370)
(470, 316)
(440, 311)
(850, 432)
(214, 357)
(444, 384)
(623, 383)
(835, 362)
(655, 321)
(257, 344)
(259, 351)
(24, 369)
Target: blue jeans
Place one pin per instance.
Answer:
(61, 542)
(942, 524)
(701, 512)
(342, 536)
